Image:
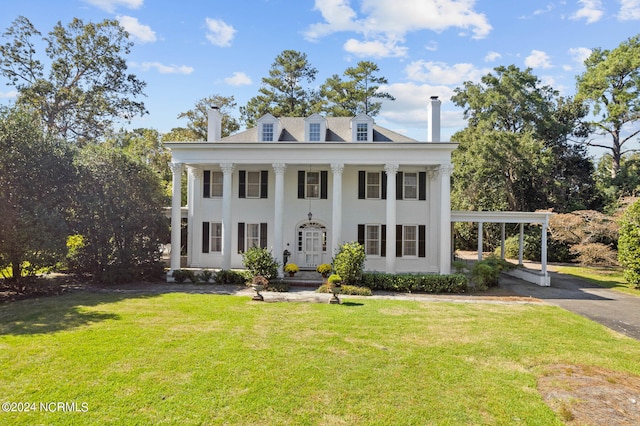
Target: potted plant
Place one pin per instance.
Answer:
(324, 269)
(259, 283)
(334, 283)
(291, 268)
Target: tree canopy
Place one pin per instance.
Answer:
(198, 116)
(611, 84)
(82, 85)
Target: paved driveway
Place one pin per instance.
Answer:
(618, 311)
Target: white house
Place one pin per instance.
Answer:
(307, 185)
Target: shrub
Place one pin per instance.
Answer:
(279, 286)
(486, 273)
(351, 290)
(349, 262)
(629, 244)
(260, 261)
(205, 276)
(408, 283)
(231, 277)
(324, 268)
(334, 279)
(594, 254)
(181, 275)
(291, 268)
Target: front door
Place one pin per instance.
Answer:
(312, 247)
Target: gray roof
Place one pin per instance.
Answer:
(338, 130)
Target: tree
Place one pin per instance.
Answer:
(86, 87)
(281, 93)
(517, 147)
(611, 84)
(36, 180)
(198, 116)
(119, 214)
(629, 244)
(356, 94)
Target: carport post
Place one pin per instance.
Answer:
(502, 241)
(521, 245)
(479, 241)
(544, 249)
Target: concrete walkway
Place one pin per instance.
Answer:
(616, 310)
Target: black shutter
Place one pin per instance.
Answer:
(264, 183)
(362, 184)
(242, 184)
(263, 235)
(323, 184)
(398, 240)
(422, 186)
(301, 183)
(240, 237)
(422, 243)
(383, 186)
(383, 240)
(205, 237)
(361, 234)
(206, 184)
(399, 185)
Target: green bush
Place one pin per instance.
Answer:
(411, 283)
(629, 244)
(260, 261)
(486, 273)
(351, 290)
(557, 251)
(181, 275)
(349, 262)
(231, 277)
(205, 276)
(279, 286)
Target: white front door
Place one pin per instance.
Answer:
(312, 247)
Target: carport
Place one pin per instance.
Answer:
(481, 217)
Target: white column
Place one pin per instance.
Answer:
(502, 240)
(227, 173)
(279, 169)
(176, 216)
(194, 204)
(336, 212)
(391, 170)
(521, 245)
(445, 218)
(543, 255)
(480, 241)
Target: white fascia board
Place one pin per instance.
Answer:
(500, 217)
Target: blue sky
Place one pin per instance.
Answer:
(191, 49)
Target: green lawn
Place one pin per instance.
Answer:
(206, 359)
(604, 277)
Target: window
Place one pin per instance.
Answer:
(312, 185)
(410, 240)
(253, 184)
(410, 186)
(362, 132)
(372, 240)
(216, 184)
(314, 132)
(267, 132)
(373, 185)
(211, 237)
(251, 235)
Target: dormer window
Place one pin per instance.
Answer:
(362, 128)
(268, 128)
(315, 128)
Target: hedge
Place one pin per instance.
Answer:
(413, 283)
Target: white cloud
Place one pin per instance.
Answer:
(163, 69)
(432, 46)
(142, 33)
(238, 79)
(9, 95)
(383, 23)
(591, 11)
(219, 32)
(579, 54)
(111, 5)
(492, 56)
(441, 73)
(538, 59)
(629, 10)
(375, 49)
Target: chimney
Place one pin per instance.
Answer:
(214, 128)
(433, 130)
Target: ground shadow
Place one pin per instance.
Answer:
(58, 313)
(351, 304)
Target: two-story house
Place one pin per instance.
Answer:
(305, 185)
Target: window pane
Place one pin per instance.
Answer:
(314, 131)
(216, 237)
(361, 132)
(372, 240)
(253, 184)
(313, 184)
(253, 235)
(267, 132)
(410, 240)
(216, 184)
(373, 185)
(411, 186)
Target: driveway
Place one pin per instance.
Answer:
(618, 311)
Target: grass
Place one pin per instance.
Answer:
(207, 359)
(603, 277)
